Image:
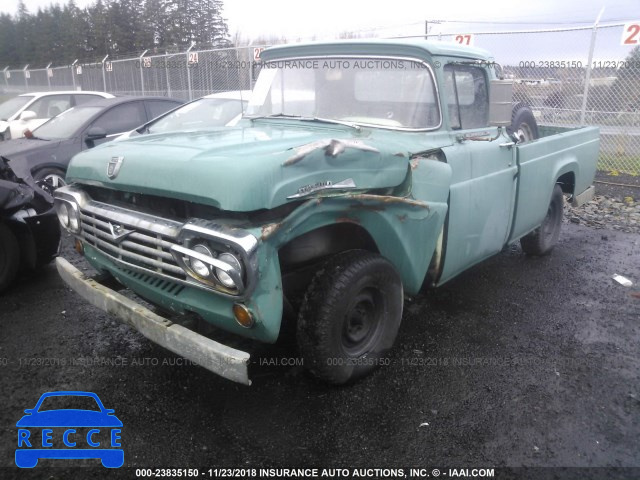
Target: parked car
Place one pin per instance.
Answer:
(48, 149)
(30, 110)
(215, 110)
(363, 171)
(29, 228)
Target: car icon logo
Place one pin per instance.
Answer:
(113, 167)
(69, 425)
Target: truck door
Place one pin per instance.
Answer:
(484, 173)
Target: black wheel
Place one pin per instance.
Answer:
(52, 176)
(523, 123)
(542, 240)
(9, 256)
(349, 316)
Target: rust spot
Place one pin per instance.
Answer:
(402, 218)
(636, 294)
(269, 229)
(415, 163)
(347, 220)
(389, 200)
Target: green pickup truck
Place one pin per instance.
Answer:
(361, 171)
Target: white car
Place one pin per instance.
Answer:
(216, 110)
(30, 110)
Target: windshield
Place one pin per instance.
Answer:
(10, 107)
(380, 92)
(65, 125)
(202, 113)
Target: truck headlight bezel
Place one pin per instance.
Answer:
(68, 215)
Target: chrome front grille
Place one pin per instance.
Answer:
(148, 248)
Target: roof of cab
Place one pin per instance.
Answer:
(372, 46)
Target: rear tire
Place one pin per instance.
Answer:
(9, 256)
(350, 316)
(542, 240)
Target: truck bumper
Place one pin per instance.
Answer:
(225, 361)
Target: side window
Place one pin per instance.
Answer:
(158, 107)
(80, 99)
(467, 96)
(121, 118)
(50, 106)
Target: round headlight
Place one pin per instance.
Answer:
(198, 266)
(224, 278)
(63, 214)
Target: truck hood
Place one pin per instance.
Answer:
(249, 167)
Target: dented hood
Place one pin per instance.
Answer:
(249, 167)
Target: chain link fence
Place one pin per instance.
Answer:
(575, 76)
(569, 77)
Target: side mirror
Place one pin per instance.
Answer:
(109, 411)
(96, 133)
(29, 411)
(27, 115)
(500, 102)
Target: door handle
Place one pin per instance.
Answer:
(507, 145)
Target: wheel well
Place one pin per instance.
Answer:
(302, 256)
(324, 242)
(567, 182)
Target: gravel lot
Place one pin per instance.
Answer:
(518, 362)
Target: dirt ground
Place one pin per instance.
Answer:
(518, 362)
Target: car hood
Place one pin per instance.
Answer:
(69, 418)
(249, 167)
(24, 147)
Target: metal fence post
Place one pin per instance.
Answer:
(587, 78)
(189, 73)
(142, 71)
(104, 76)
(6, 81)
(166, 72)
(24, 72)
(46, 72)
(73, 73)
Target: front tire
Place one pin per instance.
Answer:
(542, 240)
(350, 316)
(9, 256)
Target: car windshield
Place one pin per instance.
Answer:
(202, 113)
(65, 125)
(65, 402)
(392, 93)
(10, 107)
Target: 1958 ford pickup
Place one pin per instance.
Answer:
(361, 171)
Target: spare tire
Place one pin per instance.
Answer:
(523, 124)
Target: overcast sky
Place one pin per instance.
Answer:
(295, 19)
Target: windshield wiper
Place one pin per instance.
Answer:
(273, 115)
(331, 120)
(307, 119)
